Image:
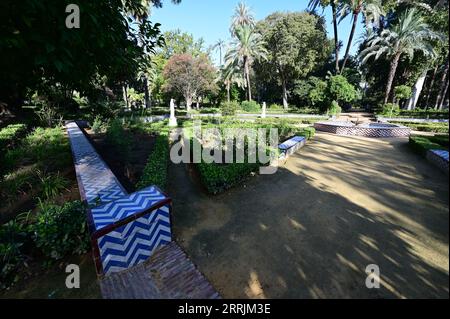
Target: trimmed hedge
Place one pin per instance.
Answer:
(155, 171)
(421, 144)
(427, 127)
(9, 135)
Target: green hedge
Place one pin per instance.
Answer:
(9, 135)
(427, 127)
(421, 144)
(155, 171)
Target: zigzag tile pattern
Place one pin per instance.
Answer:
(123, 246)
(135, 242)
(126, 206)
(98, 181)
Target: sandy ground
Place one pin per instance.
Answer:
(310, 230)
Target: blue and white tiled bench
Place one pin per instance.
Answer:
(125, 228)
(439, 158)
(290, 146)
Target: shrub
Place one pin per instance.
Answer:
(427, 127)
(9, 134)
(117, 138)
(340, 90)
(276, 107)
(155, 171)
(52, 184)
(229, 108)
(421, 144)
(335, 109)
(402, 92)
(61, 230)
(97, 125)
(14, 239)
(307, 132)
(390, 109)
(250, 106)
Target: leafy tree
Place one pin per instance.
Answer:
(313, 4)
(189, 76)
(296, 43)
(408, 35)
(340, 90)
(37, 48)
(246, 47)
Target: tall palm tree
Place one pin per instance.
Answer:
(408, 35)
(219, 45)
(246, 47)
(230, 74)
(313, 4)
(242, 17)
(372, 11)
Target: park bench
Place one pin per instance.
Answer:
(291, 146)
(439, 158)
(125, 229)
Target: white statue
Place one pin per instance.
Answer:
(172, 119)
(263, 115)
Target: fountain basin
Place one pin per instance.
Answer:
(378, 130)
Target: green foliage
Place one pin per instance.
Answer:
(61, 230)
(402, 92)
(52, 184)
(340, 90)
(275, 107)
(229, 108)
(390, 109)
(155, 171)
(98, 125)
(117, 138)
(335, 109)
(421, 144)
(250, 106)
(42, 145)
(9, 134)
(14, 239)
(318, 94)
(427, 127)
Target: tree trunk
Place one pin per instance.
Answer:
(146, 93)
(285, 96)
(441, 90)
(125, 96)
(392, 70)
(430, 88)
(188, 103)
(336, 38)
(417, 89)
(247, 78)
(444, 96)
(350, 39)
(228, 92)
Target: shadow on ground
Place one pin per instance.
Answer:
(310, 230)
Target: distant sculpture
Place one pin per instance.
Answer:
(172, 119)
(263, 115)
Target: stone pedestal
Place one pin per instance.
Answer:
(263, 114)
(172, 119)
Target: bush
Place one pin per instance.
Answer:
(14, 239)
(402, 92)
(421, 144)
(155, 171)
(9, 135)
(307, 132)
(117, 138)
(229, 108)
(427, 127)
(61, 230)
(275, 107)
(250, 106)
(97, 125)
(340, 90)
(390, 109)
(335, 109)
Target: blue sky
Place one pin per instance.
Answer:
(210, 19)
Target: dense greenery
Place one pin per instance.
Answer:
(427, 127)
(421, 144)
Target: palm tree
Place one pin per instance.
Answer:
(246, 47)
(313, 4)
(372, 11)
(230, 74)
(242, 17)
(408, 35)
(219, 45)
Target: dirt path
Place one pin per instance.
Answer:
(310, 230)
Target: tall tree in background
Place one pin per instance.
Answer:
(371, 10)
(408, 35)
(189, 76)
(247, 46)
(296, 44)
(219, 45)
(313, 5)
(242, 17)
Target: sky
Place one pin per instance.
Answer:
(210, 19)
